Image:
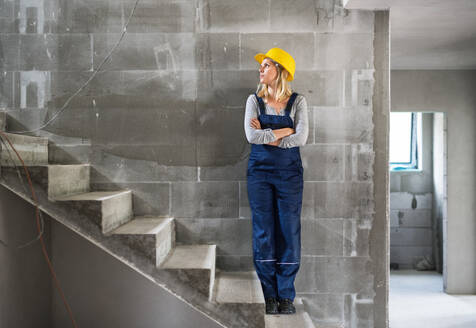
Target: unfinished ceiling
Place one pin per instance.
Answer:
(428, 34)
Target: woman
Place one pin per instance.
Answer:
(276, 124)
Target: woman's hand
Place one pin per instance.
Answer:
(255, 124)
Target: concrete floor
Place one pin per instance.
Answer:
(417, 300)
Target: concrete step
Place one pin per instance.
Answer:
(242, 292)
(195, 265)
(301, 319)
(154, 237)
(108, 209)
(239, 287)
(58, 180)
(33, 150)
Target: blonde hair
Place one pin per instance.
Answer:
(283, 88)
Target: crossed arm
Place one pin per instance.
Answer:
(278, 133)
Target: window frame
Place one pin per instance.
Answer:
(414, 164)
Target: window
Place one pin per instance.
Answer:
(405, 138)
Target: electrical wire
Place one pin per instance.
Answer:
(64, 107)
(40, 233)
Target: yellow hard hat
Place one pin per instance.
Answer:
(282, 57)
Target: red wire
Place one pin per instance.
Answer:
(38, 225)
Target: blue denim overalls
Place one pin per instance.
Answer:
(275, 185)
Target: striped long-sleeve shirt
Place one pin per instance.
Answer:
(298, 114)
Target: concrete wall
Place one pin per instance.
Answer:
(411, 232)
(165, 119)
(451, 92)
(25, 282)
(440, 196)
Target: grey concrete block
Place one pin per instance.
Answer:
(114, 164)
(322, 237)
(334, 274)
(143, 89)
(164, 128)
(344, 51)
(358, 85)
(323, 162)
(308, 201)
(146, 51)
(235, 263)
(233, 236)
(403, 200)
(400, 200)
(245, 211)
(108, 209)
(358, 312)
(155, 237)
(7, 98)
(231, 172)
(67, 179)
(324, 308)
(10, 46)
(424, 201)
(69, 154)
(148, 198)
(224, 16)
(356, 237)
(218, 51)
(343, 125)
(168, 16)
(351, 21)
(109, 17)
(410, 218)
(54, 52)
(311, 138)
(406, 255)
(194, 265)
(395, 182)
(205, 199)
(343, 200)
(296, 16)
(300, 46)
(221, 139)
(7, 17)
(225, 89)
(73, 126)
(321, 88)
(62, 86)
(410, 237)
(32, 150)
(359, 161)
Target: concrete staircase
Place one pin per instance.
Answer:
(146, 244)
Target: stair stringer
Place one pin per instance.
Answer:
(226, 315)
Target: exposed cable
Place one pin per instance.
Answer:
(64, 107)
(40, 234)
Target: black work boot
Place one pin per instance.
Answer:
(271, 305)
(286, 306)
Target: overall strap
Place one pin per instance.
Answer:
(262, 109)
(290, 103)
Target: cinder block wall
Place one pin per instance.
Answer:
(164, 117)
